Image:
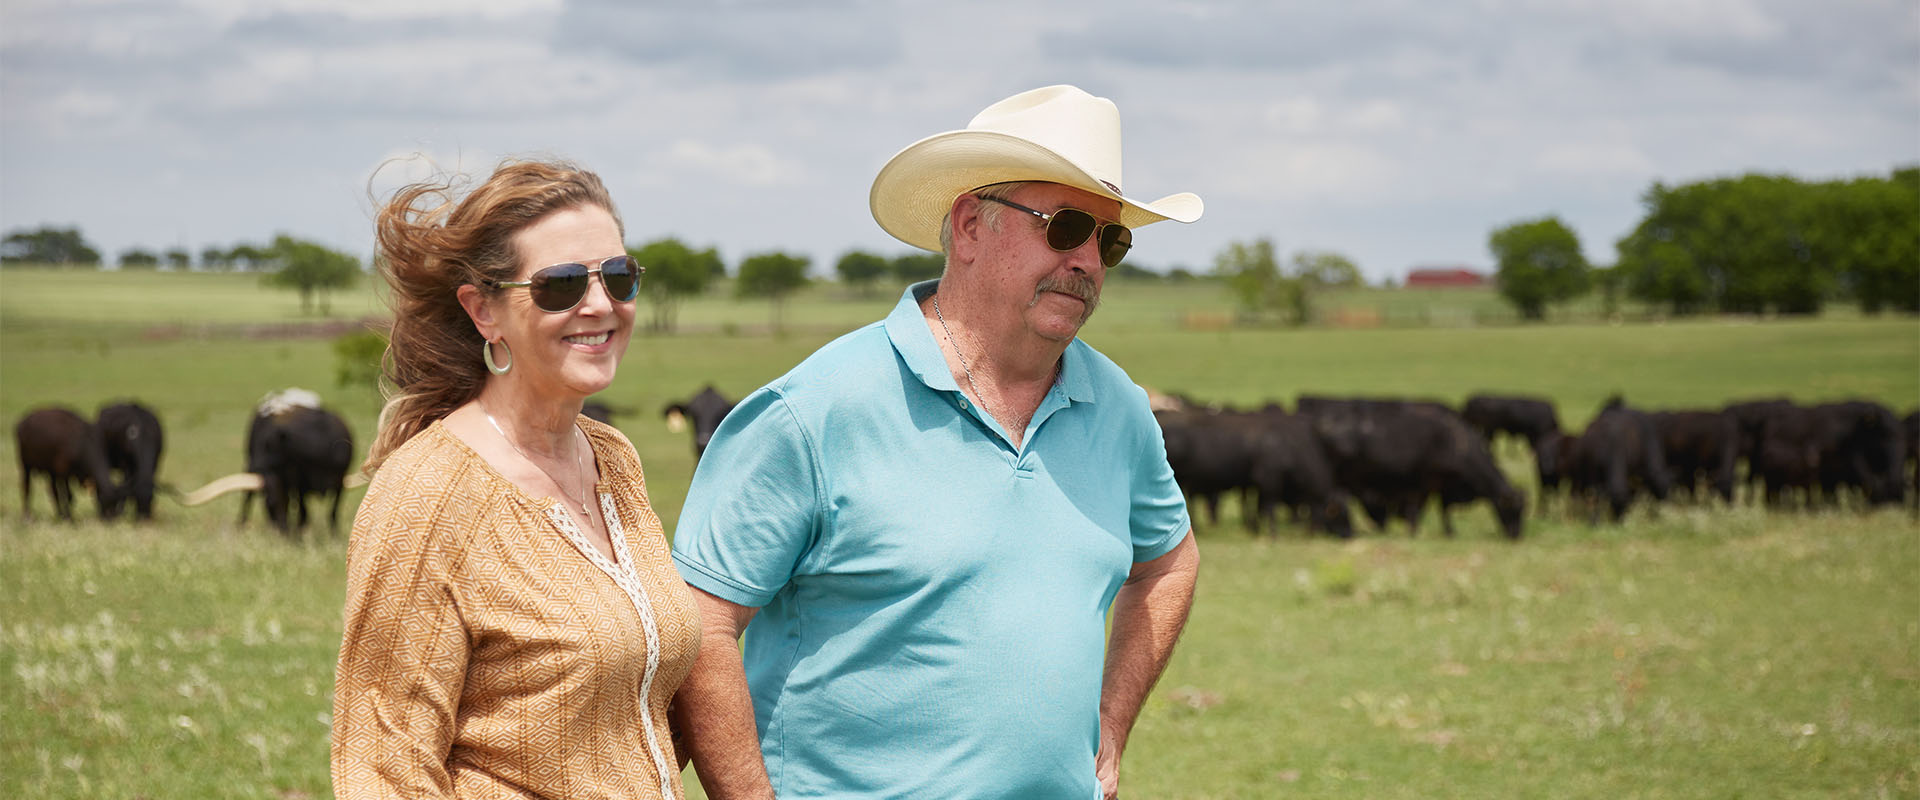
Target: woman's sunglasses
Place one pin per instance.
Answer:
(1069, 228)
(562, 286)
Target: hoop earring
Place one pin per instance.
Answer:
(486, 354)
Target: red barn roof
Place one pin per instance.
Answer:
(1445, 276)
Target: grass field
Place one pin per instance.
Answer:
(1691, 653)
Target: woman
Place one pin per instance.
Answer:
(513, 625)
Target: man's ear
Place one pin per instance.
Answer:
(968, 227)
(478, 309)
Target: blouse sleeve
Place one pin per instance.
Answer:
(403, 658)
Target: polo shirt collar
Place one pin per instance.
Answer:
(907, 328)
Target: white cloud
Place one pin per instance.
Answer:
(748, 165)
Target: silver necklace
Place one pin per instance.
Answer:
(956, 351)
(579, 459)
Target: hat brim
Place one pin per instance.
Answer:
(913, 192)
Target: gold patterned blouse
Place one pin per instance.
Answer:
(491, 651)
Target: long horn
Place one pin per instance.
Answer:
(354, 481)
(239, 481)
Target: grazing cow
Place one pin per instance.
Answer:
(706, 409)
(1863, 450)
(1699, 445)
(1791, 442)
(63, 445)
(1394, 455)
(597, 411)
(1618, 456)
(131, 435)
(1210, 453)
(1910, 433)
(1553, 463)
(1290, 468)
(1529, 418)
(296, 452)
(1821, 454)
(1751, 417)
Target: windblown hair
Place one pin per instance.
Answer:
(430, 243)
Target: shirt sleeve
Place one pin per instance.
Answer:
(753, 512)
(403, 657)
(1159, 516)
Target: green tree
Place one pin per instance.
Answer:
(1327, 268)
(1741, 245)
(1539, 263)
(773, 276)
(1252, 274)
(356, 359)
(311, 269)
(178, 258)
(47, 245)
(138, 258)
(215, 257)
(918, 266)
(674, 272)
(859, 270)
(1868, 230)
(248, 257)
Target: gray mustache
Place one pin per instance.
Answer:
(1079, 286)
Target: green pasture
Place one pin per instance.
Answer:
(1694, 652)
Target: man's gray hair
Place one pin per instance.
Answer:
(988, 211)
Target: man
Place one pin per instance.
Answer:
(921, 528)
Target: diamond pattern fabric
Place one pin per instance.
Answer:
(491, 651)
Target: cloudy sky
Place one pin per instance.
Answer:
(1398, 132)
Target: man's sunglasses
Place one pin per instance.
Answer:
(562, 286)
(1069, 228)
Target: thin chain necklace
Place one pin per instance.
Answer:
(956, 351)
(579, 459)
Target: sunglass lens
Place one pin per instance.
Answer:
(1115, 241)
(622, 278)
(1069, 229)
(560, 287)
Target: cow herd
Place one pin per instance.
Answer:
(1392, 457)
(294, 449)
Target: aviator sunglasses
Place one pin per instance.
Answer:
(562, 286)
(1069, 228)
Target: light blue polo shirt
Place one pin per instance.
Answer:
(932, 599)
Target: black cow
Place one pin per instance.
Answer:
(1751, 417)
(297, 451)
(1529, 418)
(131, 435)
(1699, 445)
(1617, 456)
(1864, 451)
(1910, 434)
(1393, 455)
(597, 411)
(706, 410)
(1553, 464)
(1210, 453)
(1289, 467)
(66, 448)
(1786, 459)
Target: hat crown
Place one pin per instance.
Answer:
(1078, 126)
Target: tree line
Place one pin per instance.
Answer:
(1749, 244)
(1755, 243)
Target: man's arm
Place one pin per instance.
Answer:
(712, 713)
(1148, 614)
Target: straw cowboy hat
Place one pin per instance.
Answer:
(1058, 134)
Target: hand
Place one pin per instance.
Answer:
(1106, 766)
